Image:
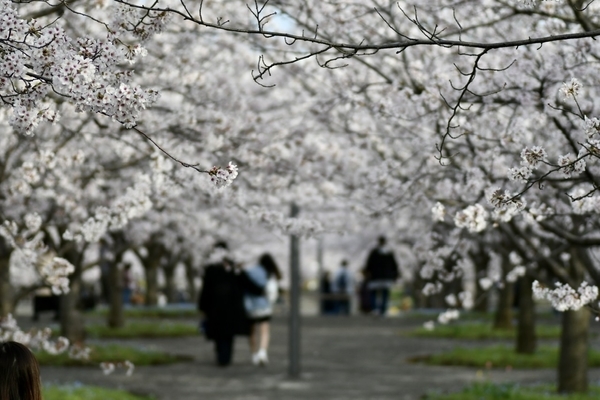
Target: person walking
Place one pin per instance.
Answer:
(19, 373)
(343, 287)
(381, 272)
(259, 307)
(127, 284)
(221, 301)
(327, 304)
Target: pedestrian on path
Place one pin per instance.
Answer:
(343, 287)
(222, 302)
(326, 303)
(259, 308)
(381, 272)
(19, 373)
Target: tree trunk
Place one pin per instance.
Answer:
(481, 260)
(419, 299)
(526, 337)
(151, 265)
(6, 294)
(191, 274)
(170, 290)
(504, 315)
(573, 362)
(71, 319)
(116, 318)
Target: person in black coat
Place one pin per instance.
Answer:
(222, 303)
(381, 272)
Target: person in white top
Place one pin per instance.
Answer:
(260, 308)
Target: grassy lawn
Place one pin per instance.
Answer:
(473, 331)
(139, 329)
(500, 357)
(112, 353)
(488, 391)
(152, 312)
(78, 392)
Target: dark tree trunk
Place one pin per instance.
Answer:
(116, 317)
(71, 319)
(6, 294)
(151, 265)
(573, 362)
(526, 336)
(419, 299)
(481, 260)
(191, 274)
(170, 289)
(503, 318)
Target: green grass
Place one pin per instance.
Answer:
(138, 329)
(501, 357)
(151, 312)
(77, 392)
(488, 391)
(478, 331)
(112, 353)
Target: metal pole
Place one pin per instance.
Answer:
(320, 272)
(294, 322)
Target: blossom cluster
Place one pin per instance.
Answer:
(564, 297)
(431, 288)
(474, 218)
(294, 226)
(41, 339)
(30, 254)
(582, 200)
(531, 158)
(36, 60)
(571, 88)
(438, 212)
(506, 205)
(223, 177)
(465, 298)
(515, 273)
(55, 271)
(448, 316)
(570, 165)
(35, 338)
(110, 367)
(142, 24)
(134, 203)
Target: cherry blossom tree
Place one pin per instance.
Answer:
(487, 118)
(502, 96)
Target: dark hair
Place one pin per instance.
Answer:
(268, 263)
(19, 373)
(381, 240)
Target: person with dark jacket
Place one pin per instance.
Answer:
(222, 303)
(381, 272)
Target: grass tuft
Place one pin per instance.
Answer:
(112, 353)
(137, 329)
(500, 357)
(78, 392)
(478, 331)
(152, 312)
(489, 391)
